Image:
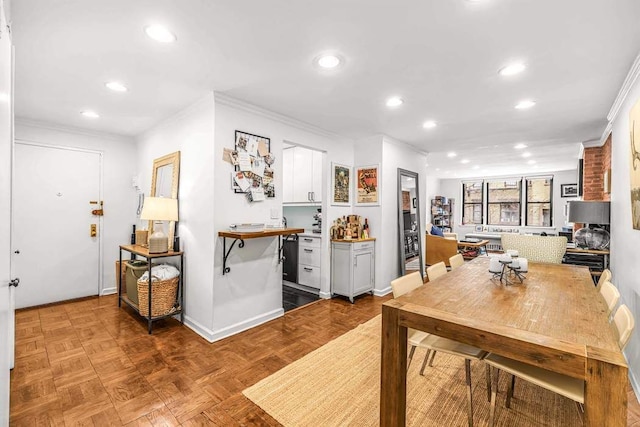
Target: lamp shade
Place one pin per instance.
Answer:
(587, 212)
(159, 209)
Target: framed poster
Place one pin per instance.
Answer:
(367, 185)
(568, 190)
(634, 164)
(340, 185)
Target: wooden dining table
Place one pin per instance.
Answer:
(555, 319)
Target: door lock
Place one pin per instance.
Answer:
(97, 212)
(15, 282)
(94, 230)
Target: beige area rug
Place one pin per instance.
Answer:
(339, 385)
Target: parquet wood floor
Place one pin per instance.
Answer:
(91, 363)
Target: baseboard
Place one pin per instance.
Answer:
(325, 295)
(213, 336)
(382, 292)
(634, 384)
(109, 291)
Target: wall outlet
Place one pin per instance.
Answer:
(275, 213)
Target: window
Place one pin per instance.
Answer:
(472, 195)
(503, 202)
(538, 205)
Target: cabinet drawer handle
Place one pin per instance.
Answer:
(308, 240)
(308, 250)
(308, 269)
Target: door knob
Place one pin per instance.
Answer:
(15, 282)
(17, 251)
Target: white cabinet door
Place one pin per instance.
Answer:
(287, 175)
(362, 271)
(316, 178)
(302, 173)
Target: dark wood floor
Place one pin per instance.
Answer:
(293, 298)
(91, 363)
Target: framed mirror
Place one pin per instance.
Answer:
(164, 183)
(409, 220)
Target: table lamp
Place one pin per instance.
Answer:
(159, 209)
(593, 215)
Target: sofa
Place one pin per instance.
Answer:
(549, 249)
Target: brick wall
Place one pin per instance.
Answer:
(597, 160)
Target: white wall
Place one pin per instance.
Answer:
(625, 241)
(192, 133)
(118, 154)
(251, 293)
(452, 188)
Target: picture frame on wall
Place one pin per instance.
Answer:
(367, 185)
(253, 171)
(340, 184)
(568, 190)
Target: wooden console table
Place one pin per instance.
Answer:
(463, 246)
(143, 252)
(242, 236)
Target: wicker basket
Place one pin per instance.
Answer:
(165, 294)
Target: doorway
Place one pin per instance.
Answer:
(56, 238)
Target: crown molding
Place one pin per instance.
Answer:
(223, 99)
(403, 144)
(594, 142)
(162, 124)
(606, 134)
(631, 78)
(21, 121)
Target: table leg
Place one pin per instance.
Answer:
(393, 375)
(120, 280)
(605, 393)
(149, 322)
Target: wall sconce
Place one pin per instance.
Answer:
(159, 209)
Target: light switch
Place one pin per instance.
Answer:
(275, 213)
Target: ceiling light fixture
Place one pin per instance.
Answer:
(512, 69)
(527, 154)
(394, 101)
(451, 154)
(520, 146)
(465, 161)
(160, 33)
(429, 124)
(328, 61)
(90, 114)
(523, 105)
(116, 87)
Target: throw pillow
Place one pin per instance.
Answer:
(436, 231)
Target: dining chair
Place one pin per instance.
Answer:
(610, 295)
(456, 261)
(564, 385)
(605, 276)
(401, 286)
(436, 270)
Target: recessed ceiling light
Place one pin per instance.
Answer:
(394, 101)
(451, 154)
(90, 114)
(437, 169)
(429, 124)
(520, 146)
(116, 87)
(531, 162)
(328, 61)
(160, 34)
(527, 154)
(464, 161)
(523, 105)
(512, 69)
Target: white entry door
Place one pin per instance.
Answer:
(54, 254)
(6, 293)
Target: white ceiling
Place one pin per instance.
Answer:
(441, 56)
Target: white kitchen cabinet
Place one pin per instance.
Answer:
(309, 261)
(352, 267)
(302, 175)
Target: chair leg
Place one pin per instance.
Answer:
(488, 375)
(411, 352)
(494, 392)
(424, 362)
(467, 369)
(433, 356)
(510, 391)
